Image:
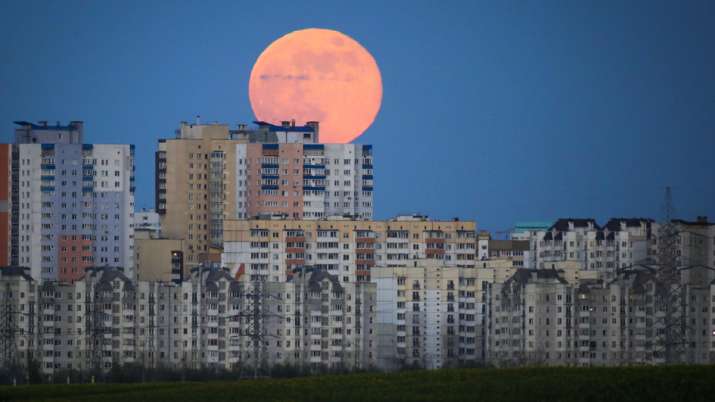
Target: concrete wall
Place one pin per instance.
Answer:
(153, 258)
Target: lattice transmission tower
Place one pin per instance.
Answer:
(670, 292)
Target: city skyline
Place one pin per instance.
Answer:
(508, 85)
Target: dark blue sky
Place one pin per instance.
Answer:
(499, 112)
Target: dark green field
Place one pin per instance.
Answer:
(533, 384)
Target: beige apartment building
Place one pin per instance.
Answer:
(159, 259)
(210, 173)
(270, 249)
(195, 191)
(429, 315)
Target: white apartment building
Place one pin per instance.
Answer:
(537, 317)
(211, 320)
(621, 243)
(146, 224)
(75, 202)
(428, 316)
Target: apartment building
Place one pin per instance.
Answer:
(18, 316)
(504, 253)
(72, 203)
(334, 322)
(620, 243)
(271, 248)
(429, 315)
(146, 224)
(209, 320)
(623, 243)
(537, 317)
(210, 173)
(159, 259)
(696, 248)
(530, 319)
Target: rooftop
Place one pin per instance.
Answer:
(564, 224)
(42, 125)
(536, 225)
(699, 221)
(288, 126)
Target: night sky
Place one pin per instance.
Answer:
(500, 112)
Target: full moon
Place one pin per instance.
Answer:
(317, 75)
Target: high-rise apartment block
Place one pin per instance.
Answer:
(210, 173)
(72, 203)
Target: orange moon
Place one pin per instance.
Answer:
(317, 75)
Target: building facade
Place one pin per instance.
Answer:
(72, 203)
(537, 317)
(429, 315)
(146, 224)
(696, 247)
(209, 320)
(620, 243)
(269, 249)
(209, 173)
(159, 259)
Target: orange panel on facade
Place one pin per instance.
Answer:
(283, 195)
(74, 256)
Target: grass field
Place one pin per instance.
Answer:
(650, 384)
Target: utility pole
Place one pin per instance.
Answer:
(257, 334)
(253, 315)
(95, 324)
(7, 329)
(670, 290)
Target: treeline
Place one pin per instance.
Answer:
(133, 373)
